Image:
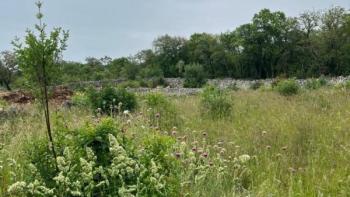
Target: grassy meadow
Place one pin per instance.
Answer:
(295, 145)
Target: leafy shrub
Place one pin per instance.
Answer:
(195, 76)
(159, 166)
(129, 84)
(313, 84)
(153, 82)
(110, 100)
(288, 87)
(161, 112)
(256, 85)
(215, 102)
(80, 99)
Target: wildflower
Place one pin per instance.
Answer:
(211, 163)
(194, 149)
(126, 112)
(177, 155)
(263, 132)
(173, 133)
(220, 143)
(222, 151)
(205, 154)
(268, 147)
(128, 121)
(158, 115)
(204, 134)
(284, 148)
(17, 187)
(244, 158)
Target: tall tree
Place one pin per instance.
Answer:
(169, 51)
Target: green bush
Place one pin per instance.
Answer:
(161, 112)
(105, 164)
(80, 99)
(215, 103)
(195, 76)
(154, 82)
(129, 84)
(313, 84)
(288, 87)
(110, 100)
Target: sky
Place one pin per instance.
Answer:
(117, 28)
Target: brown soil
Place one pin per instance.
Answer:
(59, 95)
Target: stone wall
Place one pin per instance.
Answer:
(245, 84)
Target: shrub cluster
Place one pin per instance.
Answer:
(215, 102)
(99, 160)
(195, 76)
(112, 100)
(288, 87)
(313, 84)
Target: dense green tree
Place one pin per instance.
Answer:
(169, 50)
(313, 44)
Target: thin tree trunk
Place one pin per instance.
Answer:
(47, 110)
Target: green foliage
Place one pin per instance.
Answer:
(110, 100)
(161, 112)
(288, 87)
(215, 103)
(80, 99)
(129, 84)
(195, 76)
(313, 84)
(99, 160)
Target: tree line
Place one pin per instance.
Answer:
(271, 45)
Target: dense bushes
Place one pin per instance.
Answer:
(288, 87)
(215, 102)
(194, 75)
(100, 160)
(313, 84)
(110, 100)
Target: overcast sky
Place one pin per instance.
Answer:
(123, 27)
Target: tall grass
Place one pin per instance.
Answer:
(299, 146)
